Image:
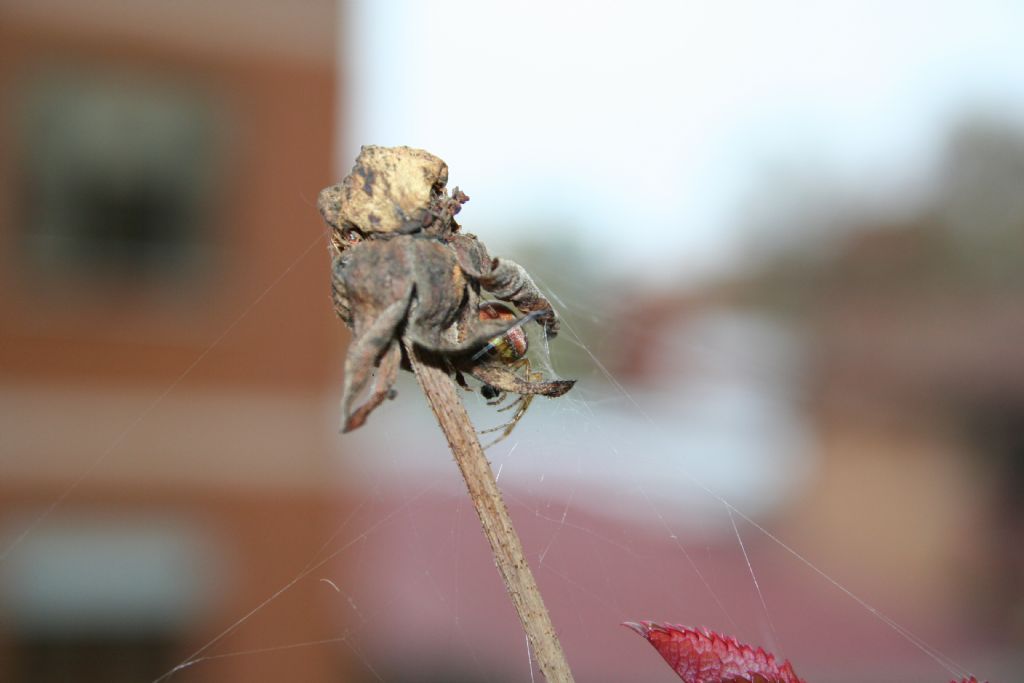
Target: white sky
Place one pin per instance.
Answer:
(646, 125)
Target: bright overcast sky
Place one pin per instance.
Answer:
(647, 125)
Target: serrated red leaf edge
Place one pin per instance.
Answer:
(699, 655)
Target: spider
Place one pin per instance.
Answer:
(510, 349)
(403, 270)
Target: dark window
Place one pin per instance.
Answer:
(116, 176)
(103, 660)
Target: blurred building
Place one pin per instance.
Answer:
(166, 340)
(913, 384)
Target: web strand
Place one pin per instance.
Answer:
(933, 653)
(561, 521)
(310, 568)
(774, 644)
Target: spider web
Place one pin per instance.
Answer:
(622, 517)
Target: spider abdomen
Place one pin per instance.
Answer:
(512, 345)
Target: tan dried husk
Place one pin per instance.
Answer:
(388, 191)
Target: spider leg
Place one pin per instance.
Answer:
(524, 403)
(530, 375)
(495, 397)
(521, 404)
(511, 405)
(363, 354)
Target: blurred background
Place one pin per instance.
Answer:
(787, 243)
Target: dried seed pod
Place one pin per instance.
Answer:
(402, 269)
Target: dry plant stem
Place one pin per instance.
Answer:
(483, 490)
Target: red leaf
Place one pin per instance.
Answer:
(702, 656)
